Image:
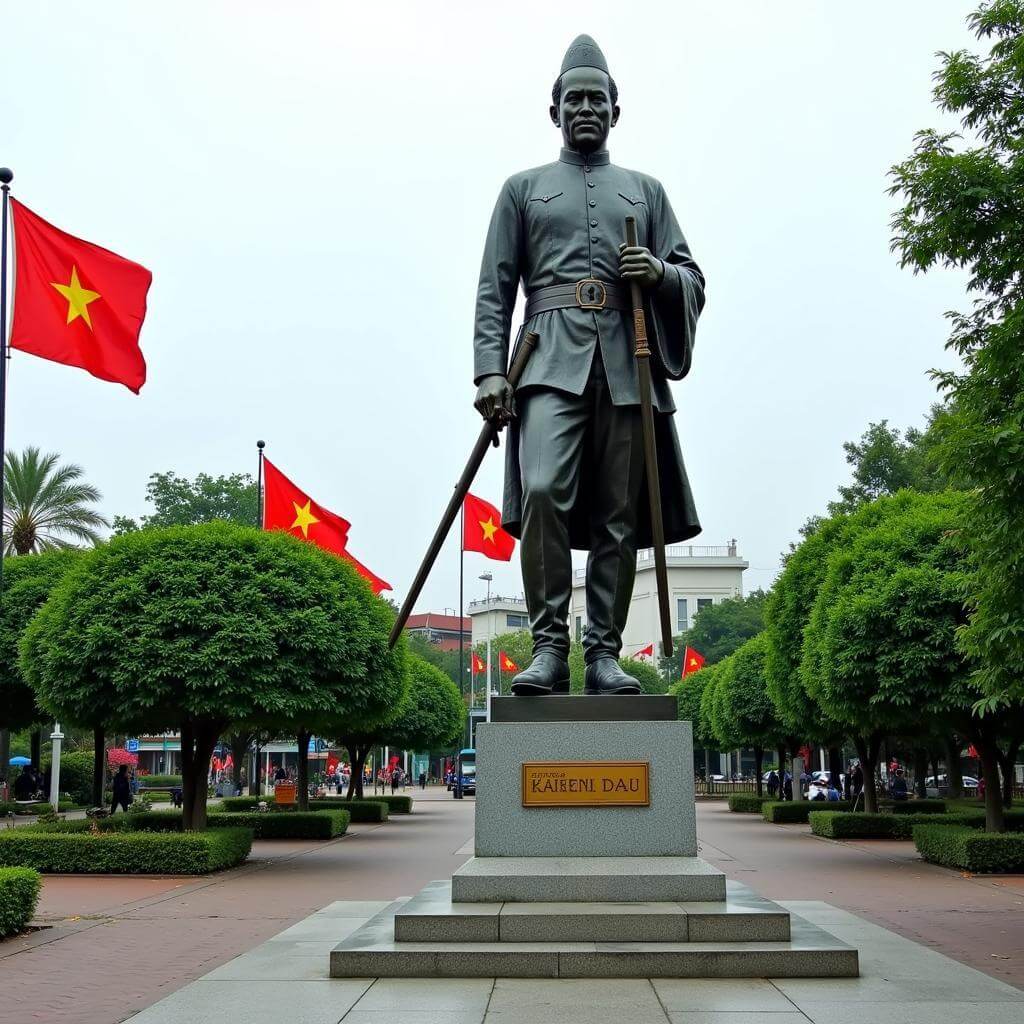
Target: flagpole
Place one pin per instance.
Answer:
(260, 445)
(6, 177)
(462, 559)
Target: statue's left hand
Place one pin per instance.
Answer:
(637, 263)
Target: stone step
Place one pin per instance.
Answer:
(587, 880)
(372, 952)
(431, 916)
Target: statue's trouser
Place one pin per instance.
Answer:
(559, 433)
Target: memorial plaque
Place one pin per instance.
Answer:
(586, 784)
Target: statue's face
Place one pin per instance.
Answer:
(585, 112)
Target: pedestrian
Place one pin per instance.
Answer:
(898, 787)
(423, 780)
(832, 793)
(122, 790)
(773, 783)
(787, 786)
(396, 778)
(858, 780)
(280, 775)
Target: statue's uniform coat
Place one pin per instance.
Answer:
(559, 224)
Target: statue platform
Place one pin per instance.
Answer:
(586, 865)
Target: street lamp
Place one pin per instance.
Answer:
(488, 578)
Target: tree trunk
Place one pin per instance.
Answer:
(99, 758)
(257, 768)
(197, 743)
(954, 773)
(5, 755)
(867, 751)
(302, 777)
(239, 751)
(920, 771)
(36, 750)
(994, 819)
(758, 765)
(835, 768)
(1007, 763)
(356, 762)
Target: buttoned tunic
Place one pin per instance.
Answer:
(562, 223)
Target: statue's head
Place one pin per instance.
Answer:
(584, 99)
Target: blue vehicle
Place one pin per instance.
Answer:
(466, 770)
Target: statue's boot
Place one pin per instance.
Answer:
(547, 674)
(605, 676)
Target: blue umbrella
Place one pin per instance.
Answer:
(20, 761)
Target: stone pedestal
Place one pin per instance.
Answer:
(586, 865)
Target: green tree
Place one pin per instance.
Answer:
(196, 628)
(446, 661)
(46, 505)
(689, 693)
(880, 647)
(518, 645)
(740, 711)
(178, 501)
(718, 631)
(963, 208)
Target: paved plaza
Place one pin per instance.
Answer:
(112, 947)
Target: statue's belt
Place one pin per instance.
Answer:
(590, 293)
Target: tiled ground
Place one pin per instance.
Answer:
(286, 979)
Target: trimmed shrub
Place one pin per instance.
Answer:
(844, 825)
(264, 825)
(19, 894)
(159, 780)
(789, 812)
(361, 810)
(396, 804)
(120, 850)
(39, 807)
(969, 849)
(244, 803)
(75, 775)
(747, 803)
(916, 806)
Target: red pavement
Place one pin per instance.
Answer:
(112, 946)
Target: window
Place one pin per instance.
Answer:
(579, 626)
(704, 602)
(682, 622)
(516, 621)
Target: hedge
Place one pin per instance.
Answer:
(916, 807)
(361, 810)
(159, 780)
(244, 803)
(75, 775)
(747, 803)
(844, 825)
(395, 804)
(123, 851)
(19, 894)
(264, 824)
(969, 849)
(38, 807)
(791, 811)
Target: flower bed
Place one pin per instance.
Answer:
(19, 894)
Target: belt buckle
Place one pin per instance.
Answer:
(591, 293)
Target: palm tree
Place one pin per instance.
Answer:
(46, 505)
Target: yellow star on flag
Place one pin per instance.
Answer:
(304, 519)
(78, 298)
(693, 661)
(489, 529)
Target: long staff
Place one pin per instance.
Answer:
(642, 354)
(488, 436)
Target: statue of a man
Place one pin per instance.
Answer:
(574, 470)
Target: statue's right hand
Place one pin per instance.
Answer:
(495, 399)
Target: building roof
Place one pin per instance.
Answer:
(434, 620)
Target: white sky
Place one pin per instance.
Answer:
(310, 184)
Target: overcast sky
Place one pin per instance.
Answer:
(310, 184)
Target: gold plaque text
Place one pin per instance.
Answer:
(586, 784)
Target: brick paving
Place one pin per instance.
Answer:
(111, 946)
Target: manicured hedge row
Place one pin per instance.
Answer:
(39, 807)
(120, 851)
(395, 804)
(361, 810)
(264, 824)
(245, 803)
(969, 849)
(19, 894)
(915, 806)
(747, 803)
(160, 780)
(844, 825)
(791, 811)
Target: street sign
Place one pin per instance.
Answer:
(132, 746)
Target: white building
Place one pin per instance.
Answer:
(698, 575)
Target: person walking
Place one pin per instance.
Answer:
(773, 784)
(122, 790)
(423, 780)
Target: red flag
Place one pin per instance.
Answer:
(332, 763)
(482, 530)
(647, 652)
(477, 664)
(286, 507)
(693, 661)
(506, 663)
(376, 583)
(77, 303)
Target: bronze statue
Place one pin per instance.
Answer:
(574, 460)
